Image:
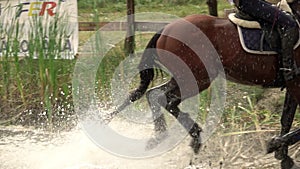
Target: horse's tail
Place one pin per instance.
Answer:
(146, 71)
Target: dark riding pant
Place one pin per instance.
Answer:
(265, 12)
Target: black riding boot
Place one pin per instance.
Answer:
(288, 38)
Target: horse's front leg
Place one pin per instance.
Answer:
(285, 141)
(288, 139)
(287, 117)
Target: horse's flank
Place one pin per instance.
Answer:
(239, 65)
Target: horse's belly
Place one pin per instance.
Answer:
(255, 74)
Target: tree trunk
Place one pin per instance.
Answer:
(212, 7)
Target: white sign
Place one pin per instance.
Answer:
(39, 27)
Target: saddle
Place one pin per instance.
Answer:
(260, 38)
(257, 38)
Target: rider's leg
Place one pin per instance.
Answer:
(288, 29)
(289, 36)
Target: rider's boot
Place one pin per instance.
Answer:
(289, 37)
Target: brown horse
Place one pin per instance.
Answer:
(181, 44)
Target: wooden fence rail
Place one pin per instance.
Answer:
(121, 26)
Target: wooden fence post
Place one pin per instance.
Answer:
(130, 40)
(212, 7)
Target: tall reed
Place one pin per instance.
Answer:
(32, 78)
(10, 44)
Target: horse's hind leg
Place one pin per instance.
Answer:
(155, 97)
(168, 96)
(188, 123)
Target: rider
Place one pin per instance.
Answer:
(288, 29)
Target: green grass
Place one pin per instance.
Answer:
(110, 10)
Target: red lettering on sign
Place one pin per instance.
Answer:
(49, 9)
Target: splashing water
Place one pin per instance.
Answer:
(25, 148)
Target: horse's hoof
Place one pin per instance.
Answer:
(154, 142)
(107, 118)
(277, 145)
(196, 144)
(296, 165)
(274, 144)
(288, 163)
(196, 141)
(281, 153)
